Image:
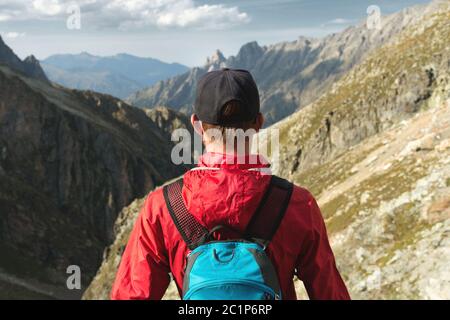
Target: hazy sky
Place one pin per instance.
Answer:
(185, 31)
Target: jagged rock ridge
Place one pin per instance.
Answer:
(290, 75)
(29, 66)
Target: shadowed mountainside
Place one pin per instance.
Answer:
(69, 162)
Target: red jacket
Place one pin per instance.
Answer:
(228, 196)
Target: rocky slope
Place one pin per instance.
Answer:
(69, 162)
(100, 286)
(168, 120)
(375, 152)
(290, 75)
(118, 75)
(29, 66)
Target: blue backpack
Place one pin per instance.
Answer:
(230, 269)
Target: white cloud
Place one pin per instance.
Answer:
(339, 21)
(208, 16)
(126, 14)
(13, 34)
(336, 22)
(48, 7)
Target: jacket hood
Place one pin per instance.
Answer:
(226, 188)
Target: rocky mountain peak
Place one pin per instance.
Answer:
(248, 55)
(29, 67)
(7, 56)
(31, 60)
(215, 61)
(32, 68)
(305, 41)
(249, 48)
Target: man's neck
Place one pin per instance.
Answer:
(241, 152)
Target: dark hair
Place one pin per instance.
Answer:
(230, 114)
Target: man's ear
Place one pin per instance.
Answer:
(259, 121)
(196, 124)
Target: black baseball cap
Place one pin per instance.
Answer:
(216, 88)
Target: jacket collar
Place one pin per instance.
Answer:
(232, 161)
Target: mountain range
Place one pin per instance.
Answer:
(365, 126)
(290, 75)
(118, 75)
(375, 151)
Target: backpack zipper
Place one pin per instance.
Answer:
(253, 284)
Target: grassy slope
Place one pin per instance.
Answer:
(383, 207)
(368, 84)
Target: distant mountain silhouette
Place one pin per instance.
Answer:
(118, 75)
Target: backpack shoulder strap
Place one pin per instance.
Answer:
(263, 224)
(267, 217)
(192, 231)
